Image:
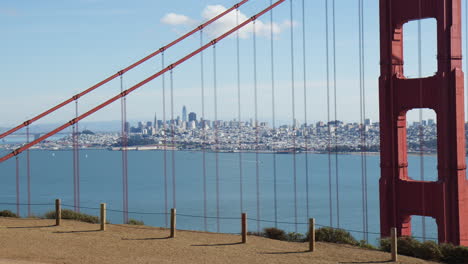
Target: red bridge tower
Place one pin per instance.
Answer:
(446, 200)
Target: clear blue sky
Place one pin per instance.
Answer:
(51, 50)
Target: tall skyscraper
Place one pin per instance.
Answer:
(192, 117)
(184, 114)
(155, 121)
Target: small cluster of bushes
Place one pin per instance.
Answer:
(408, 246)
(135, 222)
(325, 234)
(7, 213)
(72, 215)
(428, 250)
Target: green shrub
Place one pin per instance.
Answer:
(408, 245)
(332, 235)
(69, 214)
(454, 254)
(364, 244)
(295, 237)
(275, 233)
(385, 244)
(428, 250)
(7, 213)
(135, 222)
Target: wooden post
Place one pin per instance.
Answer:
(393, 232)
(58, 212)
(311, 234)
(103, 217)
(173, 222)
(244, 228)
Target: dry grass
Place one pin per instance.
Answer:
(38, 240)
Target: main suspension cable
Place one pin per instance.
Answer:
(119, 73)
(138, 85)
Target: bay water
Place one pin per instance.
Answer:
(101, 182)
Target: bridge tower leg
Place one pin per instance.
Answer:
(446, 200)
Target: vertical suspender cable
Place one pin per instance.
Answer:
(76, 164)
(362, 92)
(306, 146)
(257, 170)
(273, 110)
(75, 205)
(166, 203)
(293, 103)
(202, 79)
(173, 131)
(364, 117)
(421, 127)
(124, 153)
(328, 116)
(215, 86)
(241, 180)
(77, 159)
(28, 171)
(17, 188)
(335, 134)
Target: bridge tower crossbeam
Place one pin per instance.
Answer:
(446, 199)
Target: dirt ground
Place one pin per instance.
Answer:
(26, 241)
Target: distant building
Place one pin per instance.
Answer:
(368, 122)
(192, 116)
(184, 114)
(431, 122)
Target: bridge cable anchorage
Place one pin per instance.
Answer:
(28, 172)
(121, 72)
(173, 169)
(306, 145)
(293, 105)
(216, 147)
(257, 144)
(239, 116)
(273, 110)
(124, 149)
(328, 115)
(335, 134)
(203, 141)
(140, 84)
(421, 127)
(166, 179)
(17, 187)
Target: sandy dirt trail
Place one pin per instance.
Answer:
(26, 241)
